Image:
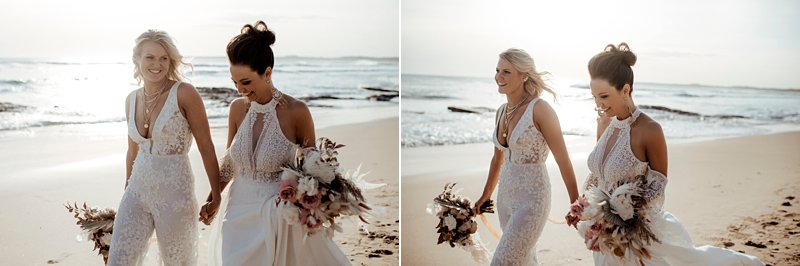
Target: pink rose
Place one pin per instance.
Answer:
(288, 190)
(304, 213)
(313, 222)
(592, 238)
(576, 209)
(311, 202)
(308, 219)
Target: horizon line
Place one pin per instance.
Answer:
(640, 82)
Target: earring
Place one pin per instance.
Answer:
(278, 96)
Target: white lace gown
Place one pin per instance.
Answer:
(523, 196)
(250, 228)
(612, 160)
(160, 193)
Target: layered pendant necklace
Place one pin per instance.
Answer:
(150, 101)
(509, 115)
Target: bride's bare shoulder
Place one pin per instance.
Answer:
(238, 109)
(648, 125)
(295, 107)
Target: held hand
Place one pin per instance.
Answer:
(572, 220)
(477, 208)
(209, 211)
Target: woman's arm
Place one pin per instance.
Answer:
(494, 173)
(546, 121)
(491, 180)
(304, 125)
(195, 112)
(133, 147)
(656, 157)
(191, 105)
(656, 147)
(236, 114)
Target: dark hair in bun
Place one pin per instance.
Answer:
(252, 47)
(614, 65)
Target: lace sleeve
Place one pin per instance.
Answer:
(591, 181)
(226, 168)
(655, 185)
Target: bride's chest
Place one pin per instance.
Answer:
(621, 160)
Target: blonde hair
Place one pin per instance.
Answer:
(523, 62)
(163, 39)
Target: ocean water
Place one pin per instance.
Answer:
(46, 92)
(685, 112)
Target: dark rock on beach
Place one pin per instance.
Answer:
(472, 110)
(381, 90)
(227, 95)
(754, 244)
(223, 94)
(382, 97)
(687, 113)
(10, 107)
(324, 97)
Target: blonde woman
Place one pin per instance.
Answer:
(159, 186)
(527, 129)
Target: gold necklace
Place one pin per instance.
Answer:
(149, 104)
(509, 115)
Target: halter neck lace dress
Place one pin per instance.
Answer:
(250, 228)
(612, 161)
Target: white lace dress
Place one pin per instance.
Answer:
(523, 196)
(612, 160)
(250, 228)
(160, 193)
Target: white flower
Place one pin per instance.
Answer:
(315, 166)
(106, 239)
(291, 213)
(288, 174)
(621, 202)
(583, 227)
(307, 185)
(450, 222)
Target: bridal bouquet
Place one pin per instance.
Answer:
(314, 190)
(457, 224)
(615, 218)
(97, 223)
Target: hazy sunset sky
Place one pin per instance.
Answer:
(728, 43)
(93, 28)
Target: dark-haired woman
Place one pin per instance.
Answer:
(630, 144)
(265, 128)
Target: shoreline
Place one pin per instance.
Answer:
(324, 117)
(770, 130)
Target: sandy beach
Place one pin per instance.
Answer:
(726, 192)
(44, 168)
